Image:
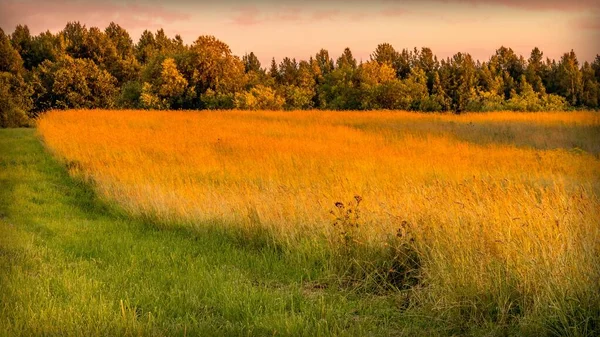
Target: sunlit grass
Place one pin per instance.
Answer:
(505, 227)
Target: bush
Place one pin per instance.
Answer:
(298, 98)
(259, 98)
(217, 101)
(15, 101)
(131, 93)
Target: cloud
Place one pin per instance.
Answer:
(252, 15)
(330, 14)
(247, 16)
(536, 5)
(394, 12)
(54, 14)
(255, 15)
(588, 23)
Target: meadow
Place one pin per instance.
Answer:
(477, 224)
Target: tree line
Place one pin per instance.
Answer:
(82, 67)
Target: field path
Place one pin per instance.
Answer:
(72, 265)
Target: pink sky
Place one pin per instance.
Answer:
(300, 28)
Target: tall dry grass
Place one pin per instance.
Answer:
(502, 232)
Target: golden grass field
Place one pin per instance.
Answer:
(494, 201)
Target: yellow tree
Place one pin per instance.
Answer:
(215, 67)
(172, 83)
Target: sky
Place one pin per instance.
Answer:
(299, 29)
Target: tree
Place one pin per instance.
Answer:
(404, 62)
(385, 54)
(100, 49)
(346, 60)
(215, 68)
(371, 76)
(596, 67)
(526, 100)
(120, 39)
(534, 70)
(73, 83)
(15, 100)
(508, 65)
(288, 71)
(590, 95)
(569, 78)
(171, 84)
(259, 98)
(73, 37)
(297, 98)
(373, 73)
(439, 97)
(324, 62)
(458, 78)
(10, 60)
(274, 71)
(89, 67)
(146, 47)
(340, 90)
(45, 46)
(429, 63)
(416, 87)
(251, 63)
(22, 42)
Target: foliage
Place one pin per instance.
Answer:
(90, 67)
(259, 98)
(15, 100)
(73, 83)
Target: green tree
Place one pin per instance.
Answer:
(372, 76)
(509, 66)
(340, 90)
(288, 71)
(439, 98)
(73, 83)
(346, 60)
(15, 100)
(274, 71)
(45, 46)
(259, 98)
(10, 60)
(125, 68)
(596, 67)
(458, 76)
(385, 54)
(526, 100)
(590, 95)
(121, 39)
(429, 63)
(146, 47)
(416, 86)
(73, 37)
(215, 68)
(324, 62)
(569, 81)
(534, 70)
(251, 63)
(22, 41)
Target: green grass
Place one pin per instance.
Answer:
(73, 265)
